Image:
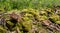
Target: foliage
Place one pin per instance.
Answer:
(32, 12)
(32, 18)
(22, 4)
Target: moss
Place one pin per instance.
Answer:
(57, 22)
(32, 17)
(10, 23)
(2, 29)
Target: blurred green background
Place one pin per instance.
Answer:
(22, 4)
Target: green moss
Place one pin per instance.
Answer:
(2, 29)
(10, 23)
(57, 22)
(31, 17)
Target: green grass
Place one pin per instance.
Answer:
(22, 4)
